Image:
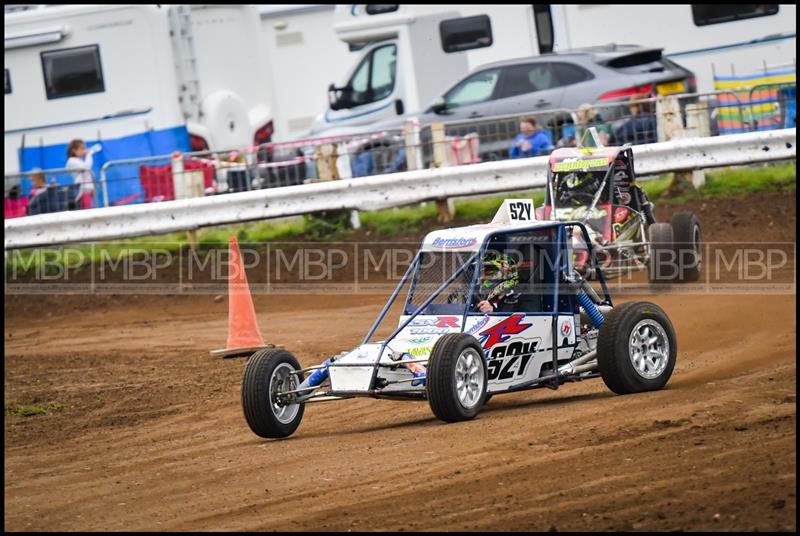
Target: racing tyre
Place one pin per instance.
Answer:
(661, 267)
(456, 378)
(636, 348)
(268, 372)
(688, 245)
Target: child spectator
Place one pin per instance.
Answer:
(80, 158)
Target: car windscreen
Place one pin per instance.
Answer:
(577, 189)
(433, 270)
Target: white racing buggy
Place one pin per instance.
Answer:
(547, 327)
(596, 185)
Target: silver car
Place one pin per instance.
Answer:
(536, 85)
(561, 80)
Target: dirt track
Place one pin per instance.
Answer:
(153, 437)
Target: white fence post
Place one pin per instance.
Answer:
(698, 125)
(411, 130)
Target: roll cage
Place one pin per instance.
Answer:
(561, 300)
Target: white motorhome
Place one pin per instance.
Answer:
(141, 79)
(410, 53)
(305, 54)
(400, 47)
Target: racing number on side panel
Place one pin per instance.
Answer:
(502, 369)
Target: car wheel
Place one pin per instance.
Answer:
(688, 245)
(636, 348)
(268, 373)
(456, 378)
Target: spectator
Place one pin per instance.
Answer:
(531, 141)
(641, 127)
(80, 158)
(37, 199)
(585, 117)
(38, 181)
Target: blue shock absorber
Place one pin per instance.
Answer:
(417, 370)
(316, 377)
(591, 309)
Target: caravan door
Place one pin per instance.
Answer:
(370, 93)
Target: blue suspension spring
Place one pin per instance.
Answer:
(316, 377)
(591, 309)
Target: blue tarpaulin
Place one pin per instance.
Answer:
(123, 181)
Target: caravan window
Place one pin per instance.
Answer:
(705, 14)
(544, 27)
(466, 33)
(72, 71)
(377, 9)
(477, 88)
(374, 77)
(8, 82)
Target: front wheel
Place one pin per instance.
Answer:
(456, 378)
(269, 373)
(636, 348)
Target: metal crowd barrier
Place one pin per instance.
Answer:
(375, 192)
(42, 191)
(210, 173)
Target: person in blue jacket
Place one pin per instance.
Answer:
(531, 141)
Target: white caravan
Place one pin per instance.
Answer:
(134, 77)
(729, 39)
(409, 54)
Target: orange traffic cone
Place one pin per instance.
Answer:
(244, 337)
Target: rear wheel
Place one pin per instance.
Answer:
(636, 348)
(267, 374)
(688, 245)
(661, 266)
(456, 378)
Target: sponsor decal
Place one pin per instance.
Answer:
(579, 213)
(565, 329)
(574, 164)
(429, 331)
(479, 325)
(502, 331)
(454, 242)
(419, 340)
(419, 352)
(439, 322)
(433, 326)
